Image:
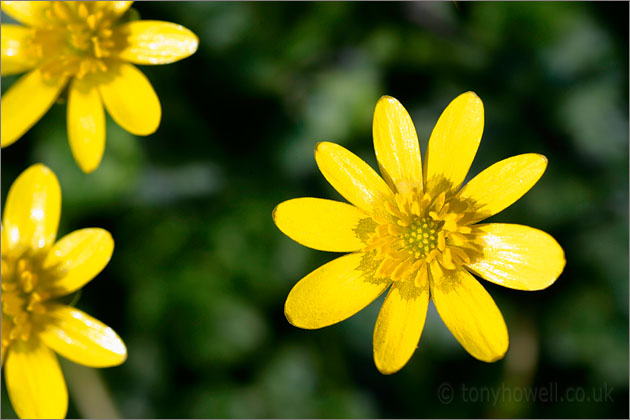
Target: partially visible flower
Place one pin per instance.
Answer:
(416, 231)
(81, 44)
(36, 271)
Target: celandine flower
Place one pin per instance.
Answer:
(36, 271)
(80, 43)
(416, 231)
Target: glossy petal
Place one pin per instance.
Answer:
(14, 49)
(334, 292)
(5, 242)
(518, 257)
(35, 382)
(396, 144)
(399, 325)
(78, 337)
(117, 7)
(321, 224)
(30, 13)
(78, 257)
(131, 100)
(354, 179)
(470, 313)
(453, 143)
(86, 124)
(26, 101)
(155, 42)
(32, 210)
(500, 185)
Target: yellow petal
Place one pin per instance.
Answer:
(26, 101)
(500, 185)
(469, 313)
(321, 224)
(518, 257)
(334, 292)
(155, 42)
(396, 144)
(117, 7)
(131, 100)
(5, 331)
(453, 143)
(78, 257)
(86, 124)
(31, 213)
(354, 179)
(399, 325)
(31, 13)
(14, 49)
(34, 381)
(78, 337)
(5, 242)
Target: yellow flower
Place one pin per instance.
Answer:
(416, 231)
(36, 271)
(81, 44)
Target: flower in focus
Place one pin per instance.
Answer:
(417, 231)
(36, 271)
(81, 45)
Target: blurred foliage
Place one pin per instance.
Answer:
(197, 283)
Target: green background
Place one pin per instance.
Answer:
(199, 275)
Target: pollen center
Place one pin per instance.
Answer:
(418, 231)
(20, 297)
(77, 39)
(421, 237)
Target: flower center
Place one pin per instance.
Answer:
(419, 230)
(421, 236)
(20, 296)
(77, 40)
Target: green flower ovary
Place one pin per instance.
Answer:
(421, 237)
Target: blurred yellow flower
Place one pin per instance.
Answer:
(80, 44)
(35, 271)
(415, 230)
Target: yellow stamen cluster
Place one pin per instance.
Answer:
(419, 230)
(77, 39)
(21, 295)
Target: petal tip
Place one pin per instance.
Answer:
(277, 211)
(497, 353)
(43, 171)
(471, 96)
(147, 131)
(471, 99)
(117, 355)
(40, 167)
(289, 317)
(323, 147)
(385, 368)
(300, 320)
(107, 236)
(543, 159)
(387, 98)
(8, 141)
(87, 167)
(495, 357)
(194, 44)
(121, 351)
